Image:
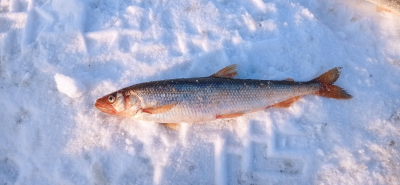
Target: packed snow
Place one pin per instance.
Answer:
(57, 57)
(69, 86)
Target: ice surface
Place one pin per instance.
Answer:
(87, 49)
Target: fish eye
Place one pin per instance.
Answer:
(111, 98)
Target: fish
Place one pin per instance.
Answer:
(219, 96)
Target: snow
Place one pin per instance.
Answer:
(57, 57)
(69, 86)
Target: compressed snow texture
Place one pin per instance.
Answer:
(69, 86)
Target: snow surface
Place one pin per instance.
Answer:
(47, 137)
(69, 86)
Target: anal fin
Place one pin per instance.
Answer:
(173, 126)
(160, 109)
(286, 103)
(233, 115)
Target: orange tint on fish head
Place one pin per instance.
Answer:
(104, 105)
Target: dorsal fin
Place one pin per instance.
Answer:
(289, 79)
(226, 72)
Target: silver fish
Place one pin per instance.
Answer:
(218, 96)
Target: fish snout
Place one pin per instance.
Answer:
(104, 106)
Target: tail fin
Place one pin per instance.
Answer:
(327, 88)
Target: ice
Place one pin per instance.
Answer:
(57, 57)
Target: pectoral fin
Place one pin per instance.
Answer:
(286, 103)
(173, 126)
(160, 109)
(233, 115)
(227, 72)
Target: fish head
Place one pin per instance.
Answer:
(119, 103)
(106, 103)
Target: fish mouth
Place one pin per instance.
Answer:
(106, 108)
(98, 105)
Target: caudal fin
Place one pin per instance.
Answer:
(327, 88)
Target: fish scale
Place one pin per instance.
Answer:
(223, 96)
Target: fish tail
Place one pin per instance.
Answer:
(327, 88)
